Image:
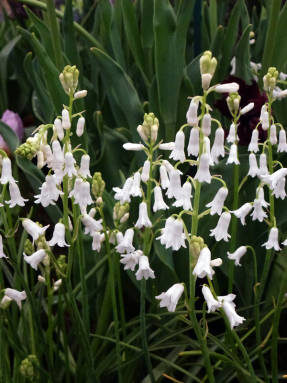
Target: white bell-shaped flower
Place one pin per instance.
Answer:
(237, 255)
(216, 205)
(6, 175)
(159, 203)
(133, 147)
(144, 270)
(174, 188)
(123, 195)
(264, 117)
(206, 146)
(184, 198)
(191, 114)
(83, 198)
(218, 145)
(231, 87)
(135, 190)
(263, 168)
(91, 225)
(166, 231)
(80, 126)
(273, 135)
(98, 238)
(33, 228)
(206, 124)
(16, 198)
(279, 190)
(170, 298)
(49, 193)
(232, 136)
(258, 212)
(58, 156)
(253, 168)
(203, 173)
(170, 168)
(272, 179)
(172, 235)
(126, 244)
(193, 143)
(242, 212)
(247, 108)
(76, 189)
(35, 259)
(204, 264)
(2, 254)
(178, 152)
(212, 303)
(15, 295)
(272, 242)
(282, 145)
(253, 145)
(164, 180)
(66, 123)
(143, 219)
(145, 171)
(70, 169)
(221, 230)
(167, 146)
(84, 170)
(233, 156)
(130, 260)
(59, 128)
(233, 318)
(48, 155)
(58, 237)
(260, 196)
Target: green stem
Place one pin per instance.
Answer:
(55, 33)
(50, 322)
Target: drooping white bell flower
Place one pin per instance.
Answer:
(253, 145)
(130, 260)
(184, 198)
(91, 225)
(237, 255)
(33, 228)
(58, 156)
(144, 270)
(172, 234)
(98, 238)
(216, 205)
(263, 168)
(279, 190)
(48, 155)
(247, 108)
(15, 195)
(272, 179)
(159, 203)
(123, 195)
(145, 171)
(83, 198)
(253, 168)
(272, 242)
(212, 303)
(206, 146)
(59, 128)
(178, 152)
(258, 211)
(6, 175)
(66, 123)
(164, 180)
(282, 145)
(76, 189)
(229, 309)
(204, 264)
(242, 212)
(126, 244)
(232, 136)
(49, 192)
(221, 230)
(135, 190)
(84, 170)
(40, 159)
(205, 80)
(167, 146)
(133, 147)
(264, 117)
(80, 126)
(233, 156)
(15, 295)
(70, 169)
(143, 219)
(174, 187)
(218, 145)
(35, 259)
(193, 143)
(58, 237)
(206, 124)
(170, 298)
(2, 254)
(191, 114)
(166, 231)
(203, 173)
(231, 87)
(260, 196)
(170, 168)
(273, 135)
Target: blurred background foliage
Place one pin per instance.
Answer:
(136, 57)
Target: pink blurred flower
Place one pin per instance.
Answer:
(13, 120)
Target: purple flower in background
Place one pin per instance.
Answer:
(13, 120)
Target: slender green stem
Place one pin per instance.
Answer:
(50, 322)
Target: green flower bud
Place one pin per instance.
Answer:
(98, 185)
(28, 367)
(149, 128)
(197, 244)
(233, 102)
(270, 79)
(29, 148)
(28, 247)
(207, 68)
(120, 213)
(69, 78)
(62, 263)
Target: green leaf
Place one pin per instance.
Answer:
(9, 136)
(212, 10)
(243, 69)
(70, 43)
(280, 49)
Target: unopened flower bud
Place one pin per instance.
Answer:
(29, 368)
(233, 101)
(196, 245)
(149, 128)
(66, 123)
(80, 126)
(98, 185)
(80, 94)
(270, 79)
(121, 212)
(69, 78)
(28, 247)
